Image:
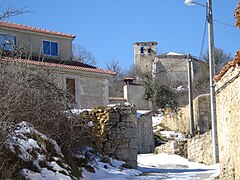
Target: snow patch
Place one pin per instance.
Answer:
(157, 119)
(173, 53)
(142, 112)
(173, 135)
(110, 171)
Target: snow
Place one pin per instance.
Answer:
(154, 166)
(27, 144)
(204, 95)
(45, 174)
(157, 119)
(105, 171)
(150, 166)
(173, 53)
(158, 166)
(142, 112)
(173, 135)
(180, 88)
(79, 111)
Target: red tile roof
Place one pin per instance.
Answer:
(237, 55)
(117, 99)
(62, 66)
(237, 14)
(33, 29)
(228, 66)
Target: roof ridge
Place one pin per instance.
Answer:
(33, 29)
(228, 66)
(63, 66)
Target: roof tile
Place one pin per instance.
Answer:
(228, 66)
(63, 66)
(237, 14)
(117, 99)
(33, 29)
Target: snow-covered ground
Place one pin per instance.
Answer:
(150, 166)
(164, 166)
(155, 166)
(173, 135)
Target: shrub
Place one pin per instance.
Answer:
(31, 94)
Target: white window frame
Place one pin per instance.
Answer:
(50, 48)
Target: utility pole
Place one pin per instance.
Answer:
(190, 99)
(212, 88)
(211, 74)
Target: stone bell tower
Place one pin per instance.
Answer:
(144, 55)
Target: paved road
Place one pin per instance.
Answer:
(174, 172)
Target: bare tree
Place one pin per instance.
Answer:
(7, 11)
(221, 58)
(31, 94)
(81, 54)
(116, 84)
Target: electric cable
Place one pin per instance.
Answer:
(203, 38)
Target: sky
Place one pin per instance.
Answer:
(109, 28)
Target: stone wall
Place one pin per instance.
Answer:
(200, 148)
(173, 147)
(180, 122)
(145, 133)
(90, 90)
(117, 132)
(172, 70)
(143, 60)
(228, 123)
(122, 134)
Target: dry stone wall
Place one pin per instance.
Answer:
(120, 133)
(200, 148)
(202, 117)
(173, 147)
(228, 123)
(117, 132)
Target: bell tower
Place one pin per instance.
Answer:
(144, 55)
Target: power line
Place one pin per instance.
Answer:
(204, 33)
(203, 38)
(227, 24)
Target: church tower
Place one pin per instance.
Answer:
(144, 55)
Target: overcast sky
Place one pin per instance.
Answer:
(108, 28)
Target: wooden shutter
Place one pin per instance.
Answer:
(70, 83)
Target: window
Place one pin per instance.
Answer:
(70, 84)
(141, 49)
(7, 42)
(50, 48)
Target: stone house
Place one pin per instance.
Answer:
(228, 117)
(87, 85)
(170, 69)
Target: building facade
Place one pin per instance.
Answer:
(169, 69)
(87, 85)
(228, 118)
